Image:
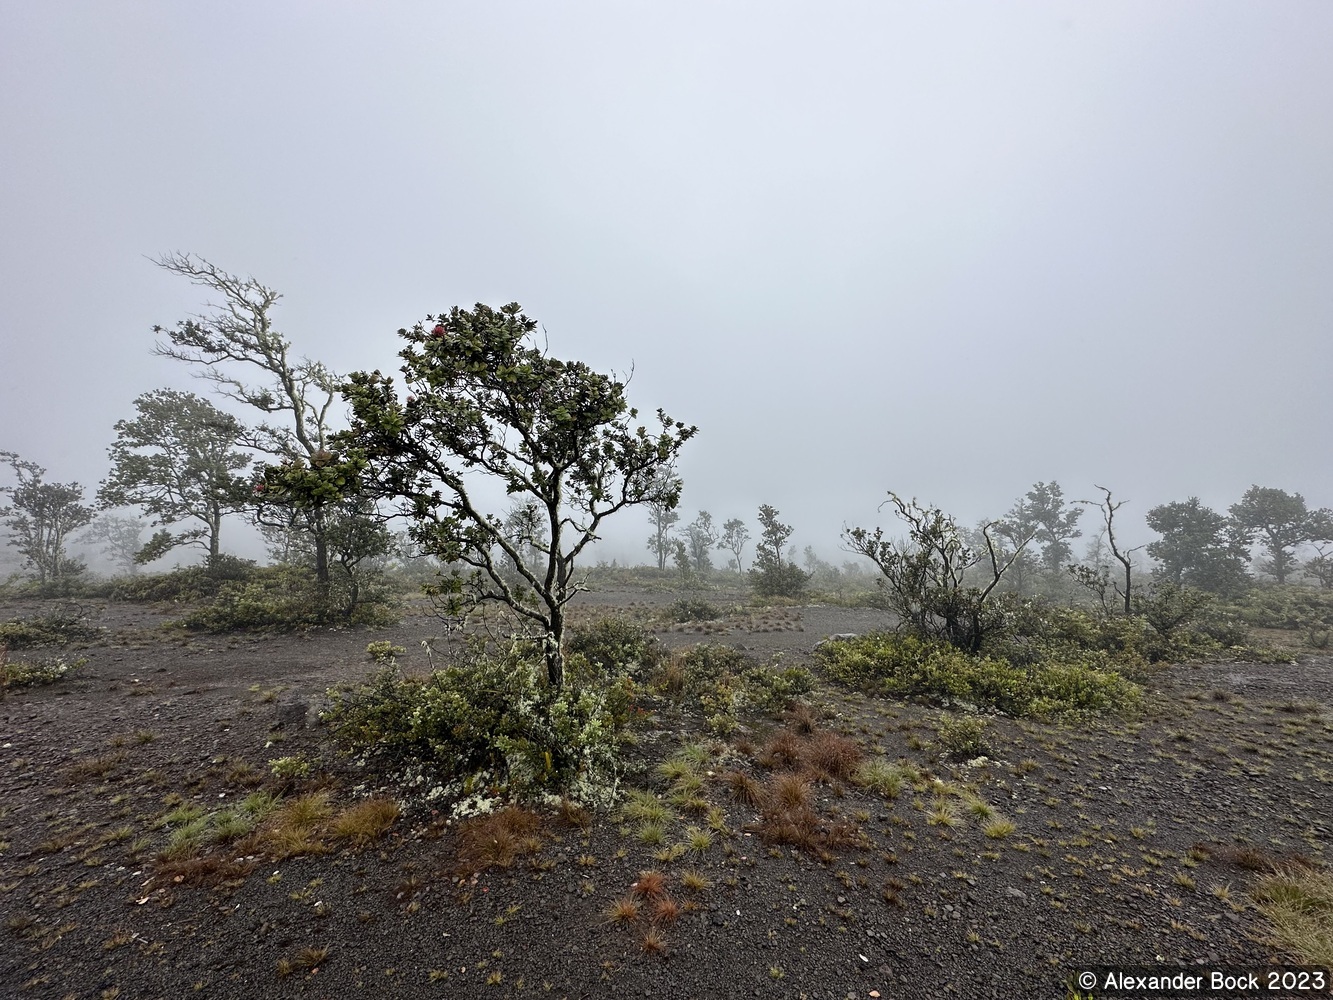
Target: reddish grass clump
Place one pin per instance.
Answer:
(495, 841)
(833, 756)
(666, 911)
(782, 752)
(744, 789)
(789, 791)
(1251, 859)
(650, 884)
(802, 719)
(623, 911)
(652, 941)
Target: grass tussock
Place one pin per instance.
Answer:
(1298, 900)
(367, 821)
(787, 816)
(499, 839)
(744, 788)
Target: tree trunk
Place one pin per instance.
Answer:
(214, 531)
(554, 650)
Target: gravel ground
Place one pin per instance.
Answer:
(1103, 865)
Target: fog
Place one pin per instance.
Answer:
(945, 249)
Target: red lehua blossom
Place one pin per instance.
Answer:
(439, 330)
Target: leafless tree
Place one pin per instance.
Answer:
(237, 349)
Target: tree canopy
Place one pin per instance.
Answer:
(484, 403)
(177, 460)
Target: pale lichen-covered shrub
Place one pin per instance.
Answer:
(491, 721)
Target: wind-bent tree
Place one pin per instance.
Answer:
(1320, 565)
(663, 516)
(924, 576)
(177, 461)
(40, 517)
(1199, 547)
(734, 536)
(1282, 522)
(485, 404)
(237, 349)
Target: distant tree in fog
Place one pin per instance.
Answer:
(699, 537)
(238, 350)
(40, 518)
(734, 536)
(121, 538)
(663, 516)
(1282, 523)
(1044, 516)
(1108, 507)
(771, 576)
(1199, 547)
(178, 461)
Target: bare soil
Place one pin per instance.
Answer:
(1102, 866)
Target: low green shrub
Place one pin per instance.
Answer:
(281, 598)
(693, 610)
(1284, 607)
(384, 652)
(185, 585)
(726, 682)
(615, 647)
(56, 629)
(1173, 625)
(899, 666)
(488, 720)
(31, 673)
(961, 736)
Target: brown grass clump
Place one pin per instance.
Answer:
(666, 911)
(204, 871)
(497, 840)
(650, 884)
(623, 911)
(1298, 900)
(783, 752)
(1252, 859)
(789, 791)
(671, 679)
(744, 789)
(652, 941)
(788, 816)
(801, 719)
(693, 880)
(94, 767)
(295, 829)
(574, 815)
(833, 756)
(367, 821)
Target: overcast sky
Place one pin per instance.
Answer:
(943, 248)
